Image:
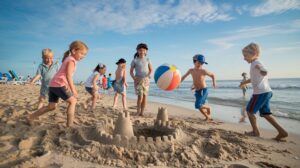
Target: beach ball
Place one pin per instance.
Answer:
(167, 77)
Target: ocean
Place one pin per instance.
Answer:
(285, 102)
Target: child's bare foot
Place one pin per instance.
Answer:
(252, 133)
(84, 105)
(29, 121)
(208, 119)
(281, 136)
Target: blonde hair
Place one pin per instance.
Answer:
(75, 45)
(252, 48)
(46, 51)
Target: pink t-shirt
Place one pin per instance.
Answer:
(60, 78)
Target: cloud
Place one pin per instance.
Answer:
(233, 37)
(275, 6)
(123, 16)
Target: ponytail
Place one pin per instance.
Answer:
(136, 55)
(66, 54)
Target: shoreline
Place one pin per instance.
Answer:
(226, 114)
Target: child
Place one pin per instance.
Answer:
(104, 82)
(91, 85)
(198, 74)
(61, 85)
(46, 71)
(143, 69)
(120, 83)
(109, 82)
(262, 92)
(244, 87)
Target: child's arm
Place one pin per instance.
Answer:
(262, 70)
(70, 70)
(94, 81)
(150, 70)
(131, 72)
(185, 75)
(124, 79)
(212, 76)
(37, 77)
(245, 82)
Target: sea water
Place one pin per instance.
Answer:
(285, 102)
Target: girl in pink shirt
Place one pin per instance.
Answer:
(61, 85)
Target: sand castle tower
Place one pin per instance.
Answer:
(162, 117)
(123, 125)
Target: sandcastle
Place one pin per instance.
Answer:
(124, 134)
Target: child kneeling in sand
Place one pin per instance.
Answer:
(262, 92)
(120, 83)
(46, 71)
(198, 74)
(91, 85)
(61, 85)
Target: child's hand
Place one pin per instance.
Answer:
(75, 94)
(126, 85)
(241, 85)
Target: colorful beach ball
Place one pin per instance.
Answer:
(167, 77)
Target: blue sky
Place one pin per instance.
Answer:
(174, 30)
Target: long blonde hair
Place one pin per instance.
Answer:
(252, 48)
(75, 45)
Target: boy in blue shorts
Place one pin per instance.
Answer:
(198, 74)
(262, 92)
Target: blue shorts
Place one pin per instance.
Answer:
(261, 103)
(201, 96)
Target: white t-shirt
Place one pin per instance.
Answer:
(89, 81)
(259, 82)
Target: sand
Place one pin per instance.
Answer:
(183, 141)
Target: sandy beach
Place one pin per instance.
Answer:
(184, 141)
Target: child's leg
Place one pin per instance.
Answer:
(115, 100)
(281, 132)
(124, 101)
(94, 99)
(204, 112)
(51, 106)
(41, 102)
(70, 111)
(143, 104)
(139, 104)
(207, 108)
(253, 123)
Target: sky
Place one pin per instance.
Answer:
(175, 30)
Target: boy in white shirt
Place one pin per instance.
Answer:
(262, 92)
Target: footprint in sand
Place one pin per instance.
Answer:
(237, 166)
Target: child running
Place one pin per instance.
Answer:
(120, 83)
(46, 71)
(262, 92)
(143, 69)
(104, 82)
(61, 85)
(199, 84)
(91, 86)
(244, 87)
